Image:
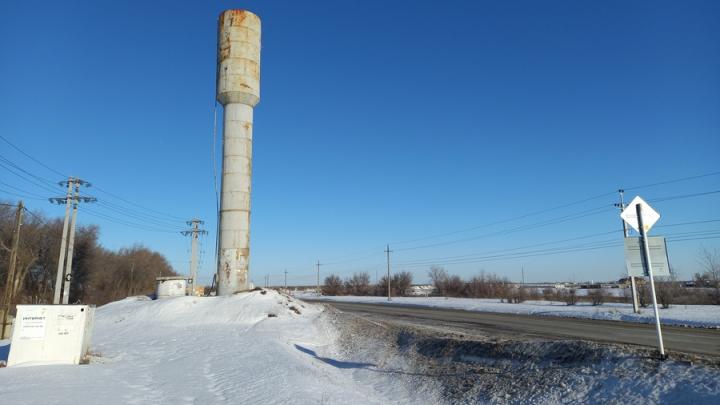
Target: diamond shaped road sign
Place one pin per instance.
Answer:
(649, 215)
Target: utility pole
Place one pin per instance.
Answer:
(194, 232)
(64, 276)
(9, 295)
(132, 279)
(388, 251)
(63, 242)
(522, 269)
(318, 277)
(633, 288)
(285, 279)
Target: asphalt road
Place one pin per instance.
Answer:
(678, 339)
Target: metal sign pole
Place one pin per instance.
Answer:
(648, 269)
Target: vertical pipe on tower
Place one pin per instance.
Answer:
(238, 90)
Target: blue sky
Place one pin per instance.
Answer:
(379, 123)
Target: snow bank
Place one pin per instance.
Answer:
(706, 316)
(256, 347)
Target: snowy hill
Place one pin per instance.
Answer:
(259, 347)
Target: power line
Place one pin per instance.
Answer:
(32, 158)
(24, 196)
(556, 208)
(127, 223)
(139, 215)
(173, 217)
(678, 197)
(673, 181)
(22, 190)
(552, 221)
(471, 255)
(8, 162)
(18, 172)
(534, 213)
(565, 249)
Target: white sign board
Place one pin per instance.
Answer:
(32, 324)
(51, 334)
(658, 257)
(649, 215)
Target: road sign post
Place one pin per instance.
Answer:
(644, 218)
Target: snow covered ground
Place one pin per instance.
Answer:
(267, 348)
(707, 316)
(254, 348)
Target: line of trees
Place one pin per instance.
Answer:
(100, 275)
(359, 284)
(488, 285)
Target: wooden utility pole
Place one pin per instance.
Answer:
(388, 251)
(318, 277)
(9, 294)
(132, 279)
(633, 288)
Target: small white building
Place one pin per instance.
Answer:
(173, 286)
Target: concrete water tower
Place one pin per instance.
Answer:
(238, 90)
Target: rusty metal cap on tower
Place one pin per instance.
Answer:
(238, 58)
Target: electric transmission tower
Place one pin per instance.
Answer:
(194, 232)
(64, 272)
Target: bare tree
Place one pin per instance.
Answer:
(667, 289)
(99, 275)
(401, 282)
(597, 296)
(333, 285)
(439, 278)
(570, 296)
(710, 260)
(358, 284)
(454, 287)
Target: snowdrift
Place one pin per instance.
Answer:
(259, 347)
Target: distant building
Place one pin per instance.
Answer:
(420, 291)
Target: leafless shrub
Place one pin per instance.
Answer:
(549, 294)
(710, 277)
(643, 293)
(518, 295)
(597, 296)
(401, 282)
(358, 284)
(570, 296)
(438, 277)
(532, 293)
(454, 287)
(333, 285)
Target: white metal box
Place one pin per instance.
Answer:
(51, 334)
(170, 287)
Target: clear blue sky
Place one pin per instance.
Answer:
(379, 122)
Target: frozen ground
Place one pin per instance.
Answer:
(498, 368)
(251, 348)
(707, 316)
